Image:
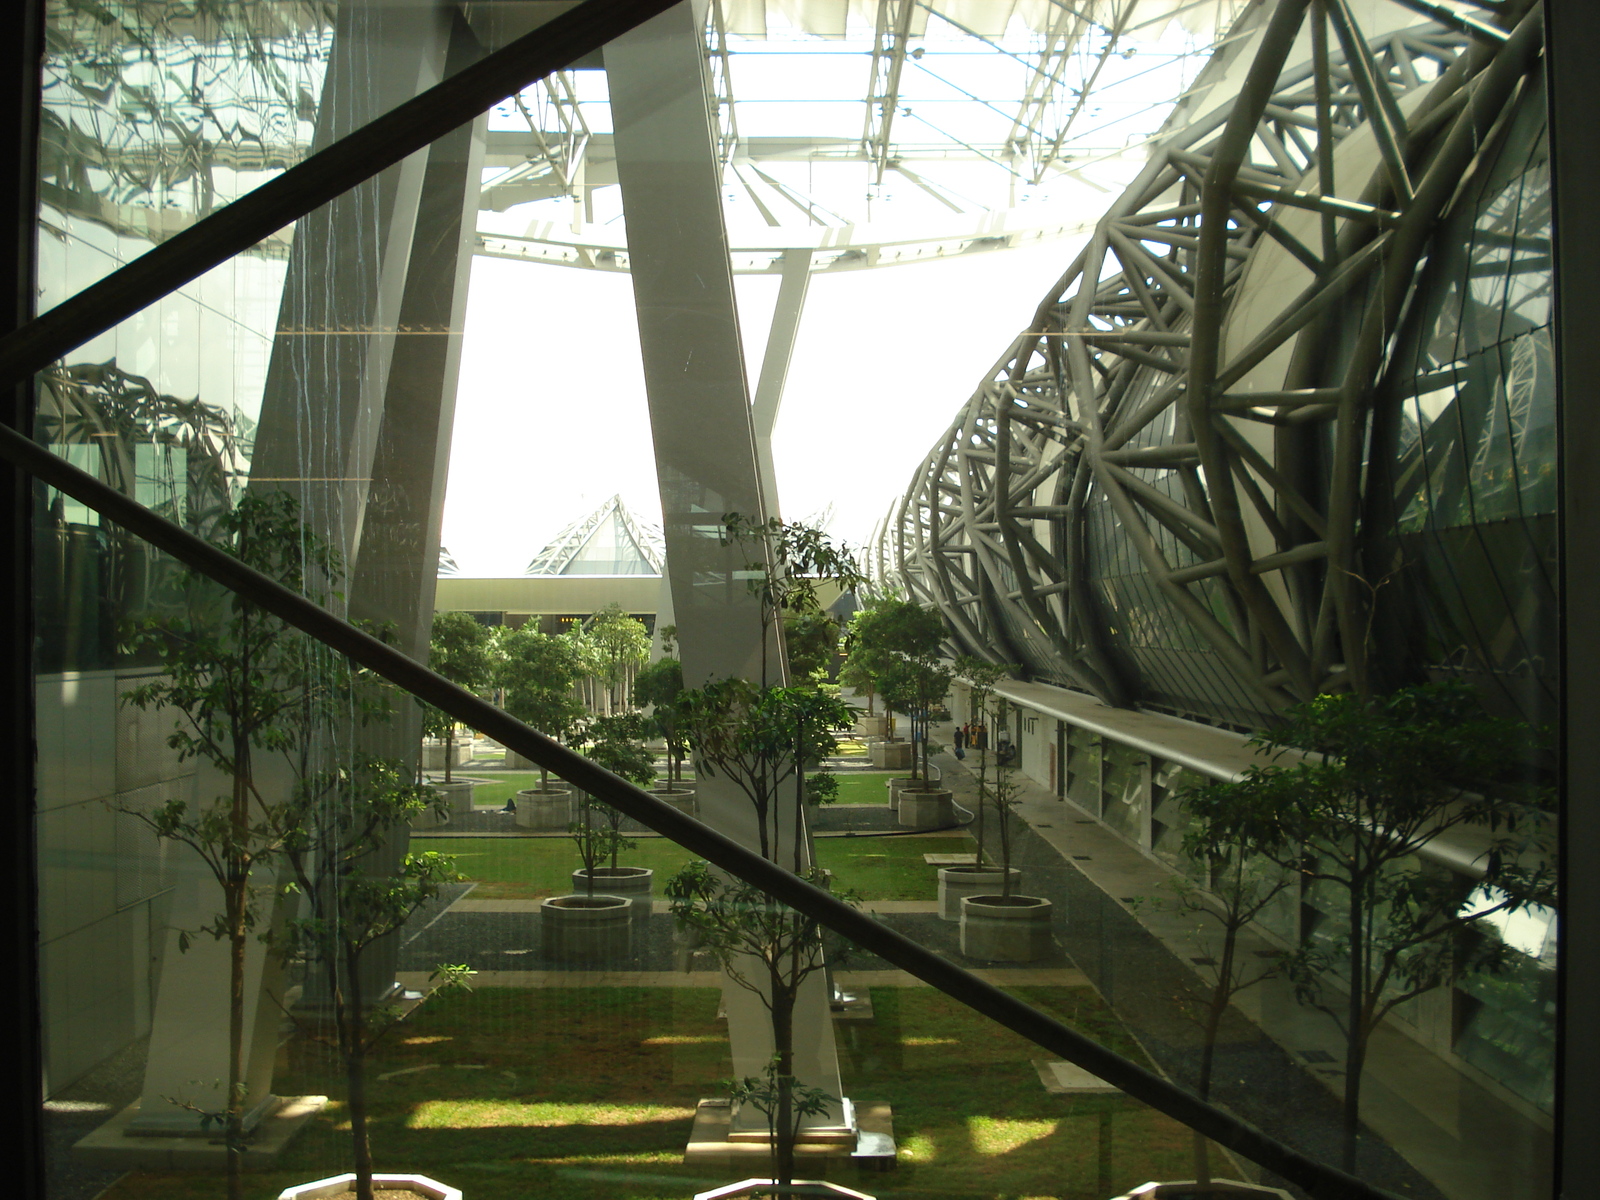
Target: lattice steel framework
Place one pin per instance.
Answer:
(1202, 379)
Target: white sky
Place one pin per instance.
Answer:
(551, 416)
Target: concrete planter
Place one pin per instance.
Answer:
(891, 756)
(585, 928)
(1005, 930)
(898, 784)
(871, 727)
(458, 794)
(433, 754)
(544, 810)
(680, 797)
(345, 1185)
(932, 809)
(515, 762)
(430, 818)
(631, 883)
(1217, 1189)
(957, 883)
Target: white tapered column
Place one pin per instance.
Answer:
(700, 420)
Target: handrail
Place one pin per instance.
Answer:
(1318, 1179)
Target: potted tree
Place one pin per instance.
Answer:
(659, 687)
(617, 744)
(538, 672)
(897, 643)
(982, 877)
(590, 925)
(919, 683)
(1005, 926)
(760, 737)
(252, 694)
(341, 824)
(462, 650)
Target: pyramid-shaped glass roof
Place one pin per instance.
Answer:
(609, 541)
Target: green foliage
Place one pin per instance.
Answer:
(464, 651)
(882, 639)
(617, 744)
(618, 646)
(660, 687)
(760, 739)
(597, 833)
(811, 643)
(538, 672)
(244, 684)
(344, 822)
(1382, 777)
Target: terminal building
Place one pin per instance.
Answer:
(1303, 413)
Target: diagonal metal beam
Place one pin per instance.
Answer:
(883, 88)
(331, 171)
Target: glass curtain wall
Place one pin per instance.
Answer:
(294, 404)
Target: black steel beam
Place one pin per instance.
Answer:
(337, 168)
(20, 60)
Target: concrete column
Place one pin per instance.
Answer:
(328, 376)
(701, 423)
(796, 280)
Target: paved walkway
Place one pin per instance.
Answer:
(1455, 1134)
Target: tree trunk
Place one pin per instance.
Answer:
(354, 1034)
(236, 903)
(449, 749)
(783, 1131)
(1355, 1041)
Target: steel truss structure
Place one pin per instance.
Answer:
(1208, 366)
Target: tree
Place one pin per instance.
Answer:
(1384, 776)
(983, 677)
(1242, 881)
(617, 744)
(660, 688)
(742, 926)
(597, 840)
(620, 646)
(246, 685)
(462, 650)
(340, 824)
(897, 643)
(811, 642)
(760, 737)
(794, 563)
(538, 673)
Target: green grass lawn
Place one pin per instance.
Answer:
(887, 868)
(509, 868)
(528, 868)
(864, 787)
(496, 787)
(588, 1093)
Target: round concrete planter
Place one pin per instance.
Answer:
(1005, 930)
(631, 883)
(345, 1185)
(585, 928)
(458, 793)
(544, 810)
(680, 797)
(1217, 1189)
(932, 809)
(957, 883)
(898, 784)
